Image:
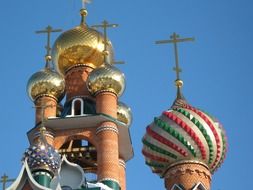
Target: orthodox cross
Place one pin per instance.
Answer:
(5, 179)
(105, 25)
(175, 38)
(48, 30)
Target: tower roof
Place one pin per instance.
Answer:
(46, 82)
(108, 77)
(81, 45)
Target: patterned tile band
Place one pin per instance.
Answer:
(201, 128)
(165, 141)
(224, 141)
(107, 128)
(158, 149)
(154, 164)
(216, 136)
(224, 151)
(166, 127)
(153, 157)
(188, 130)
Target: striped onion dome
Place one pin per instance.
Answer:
(182, 134)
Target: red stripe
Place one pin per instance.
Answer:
(165, 141)
(188, 129)
(216, 136)
(153, 157)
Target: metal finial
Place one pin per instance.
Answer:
(175, 38)
(105, 25)
(83, 11)
(48, 30)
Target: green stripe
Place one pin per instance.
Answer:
(223, 150)
(202, 129)
(155, 165)
(112, 184)
(166, 127)
(158, 149)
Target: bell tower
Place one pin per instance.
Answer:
(92, 129)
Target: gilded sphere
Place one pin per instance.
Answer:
(179, 83)
(80, 45)
(46, 82)
(184, 134)
(124, 114)
(106, 78)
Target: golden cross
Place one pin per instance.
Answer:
(105, 25)
(48, 30)
(4, 180)
(175, 38)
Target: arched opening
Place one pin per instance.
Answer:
(83, 153)
(77, 107)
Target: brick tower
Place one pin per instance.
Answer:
(184, 145)
(91, 130)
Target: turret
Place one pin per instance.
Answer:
(184, 145)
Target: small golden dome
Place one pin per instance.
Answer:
(80, 45)
(124, 114)
(106, 78)
(46, 82)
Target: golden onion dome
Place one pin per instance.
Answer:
(124, 114)
(46, 83)
(79, 46)
(106, 78)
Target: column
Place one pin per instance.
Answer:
(122, 174)
(107, 136)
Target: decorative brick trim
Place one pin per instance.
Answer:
(179, 169)
(122, 163)
(44, 95)
(105, 91)
(67, 72)
(187, 162)
(107, 128)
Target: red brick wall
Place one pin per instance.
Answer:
(188, 175)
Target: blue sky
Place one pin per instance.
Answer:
(217, 71)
